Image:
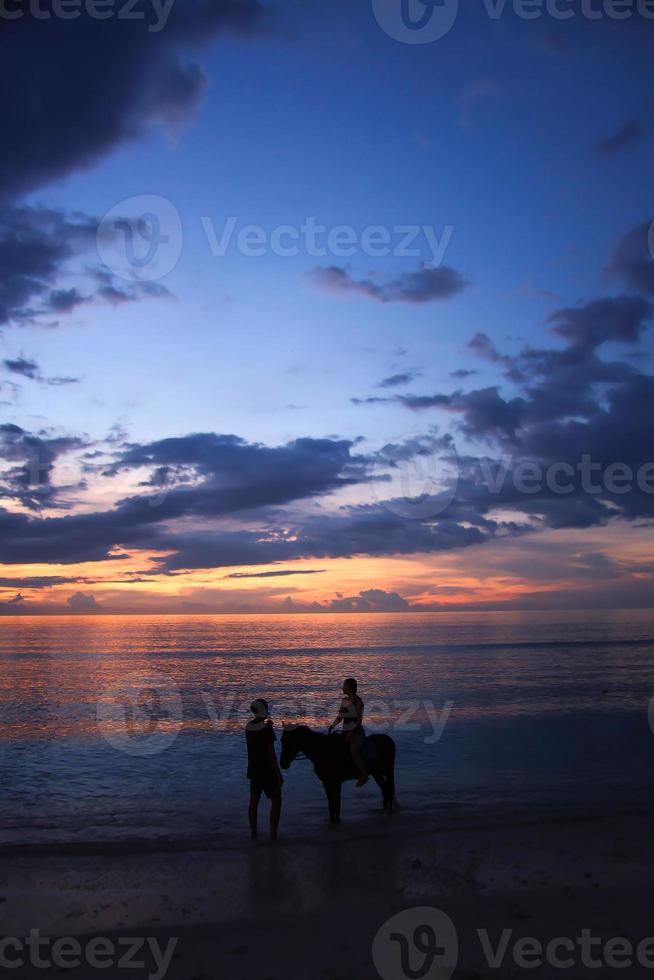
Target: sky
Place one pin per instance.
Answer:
(312, 307)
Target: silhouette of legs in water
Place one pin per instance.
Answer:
(275, 811)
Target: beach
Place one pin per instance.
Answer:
(523, 774)
(310, 907)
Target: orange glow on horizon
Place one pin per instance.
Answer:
(499, 572)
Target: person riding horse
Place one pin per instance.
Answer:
(351, 716)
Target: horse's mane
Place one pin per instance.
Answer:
(299, 728)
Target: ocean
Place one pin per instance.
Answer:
(127, 731)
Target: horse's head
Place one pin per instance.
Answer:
(292, 744)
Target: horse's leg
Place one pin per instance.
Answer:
(333, 791)
(337, 801)
(390, 800)
(381, 782)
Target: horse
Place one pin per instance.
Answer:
(333, 765)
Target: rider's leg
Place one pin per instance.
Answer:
(355, 746)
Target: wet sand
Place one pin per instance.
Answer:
(308, 908)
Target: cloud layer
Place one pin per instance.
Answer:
(213, 500)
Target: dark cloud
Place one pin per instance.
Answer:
(626, 135)
(372, 400)
(278, 574)
(621, 319)
(366, 530)
(423, 286)
(235, 479)
(374, 530)
(485, 411)
(100, 83)
(633, 259)
(23, 366)
(395, 380)
(368, 601)
(15, 601)
(233, 475)
(28, 368)
(230, 477)
(28, 462)
(462, 373)
(566, 405)
(116, 293)
(57, 382)
(36, 581)
(483, 347)
(35, 244)
(119, 74)
(83, 602)
(65, 300)
(557, 385)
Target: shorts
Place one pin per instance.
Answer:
(270, 787)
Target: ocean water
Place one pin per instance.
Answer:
(129, 730)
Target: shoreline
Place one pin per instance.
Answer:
(376, 824)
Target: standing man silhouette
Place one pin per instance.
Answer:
(263, 769)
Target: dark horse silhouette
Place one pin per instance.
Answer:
(333, 765)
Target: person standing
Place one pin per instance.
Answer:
(263, 768)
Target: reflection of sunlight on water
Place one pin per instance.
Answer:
(71, 687)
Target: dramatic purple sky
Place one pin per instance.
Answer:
(198, 417)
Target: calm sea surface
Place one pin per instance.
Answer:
(129, 729)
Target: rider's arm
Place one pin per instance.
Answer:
(341, 714)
